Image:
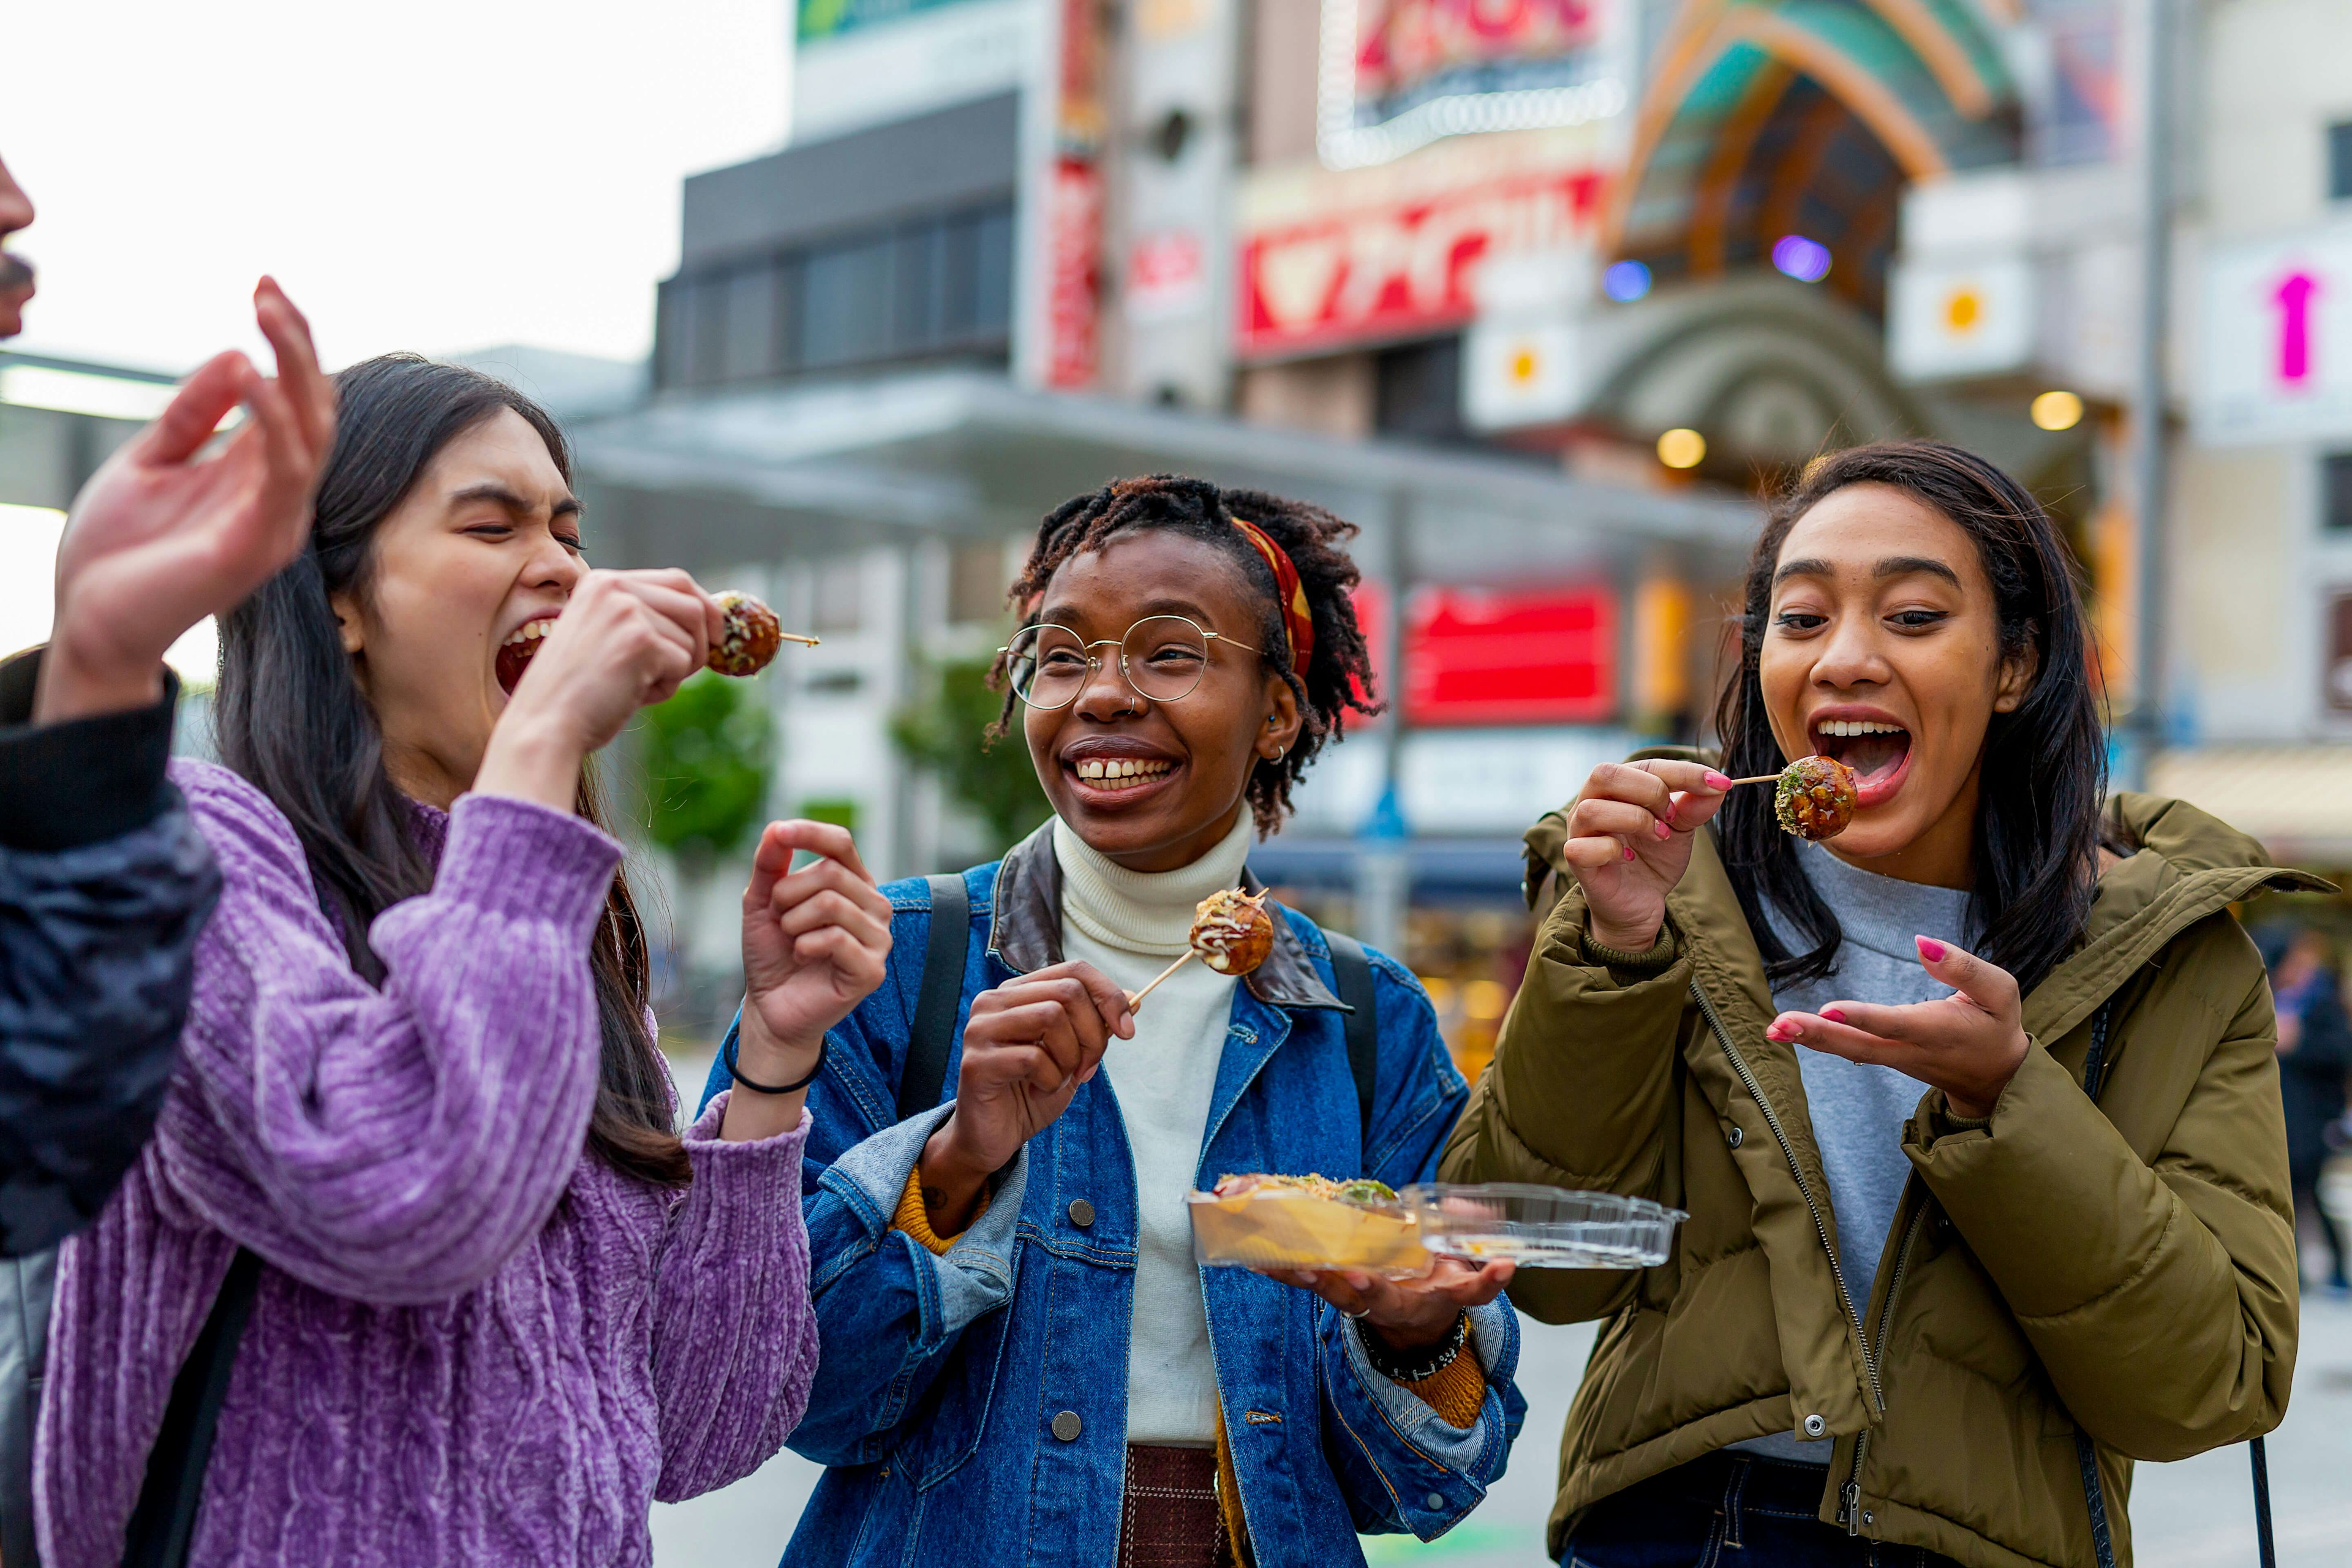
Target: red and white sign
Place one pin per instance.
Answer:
(1166, 275)
(1402, 44)
(1400, 269)
(1073, 306)
(1543, 656)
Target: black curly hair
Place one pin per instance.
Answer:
(1338, 676)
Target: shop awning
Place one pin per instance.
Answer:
(749, 474)
(2296, 799)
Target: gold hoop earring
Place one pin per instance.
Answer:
(1279, 753)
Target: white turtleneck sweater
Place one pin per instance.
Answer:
(1128, 924)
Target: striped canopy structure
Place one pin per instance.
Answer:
(1769, 118)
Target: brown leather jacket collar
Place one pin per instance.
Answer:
(1025, 929)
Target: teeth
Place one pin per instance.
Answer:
(1120, 771)
(529, 631)
(1860, 726)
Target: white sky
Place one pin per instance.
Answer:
(438, 176)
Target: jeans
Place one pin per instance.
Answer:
(1729, 1510)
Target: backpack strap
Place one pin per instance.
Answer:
(1351, 975)
(926, 1072)
(164, 1523)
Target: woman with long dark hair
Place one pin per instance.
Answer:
(1971, 1105)
(1024, 1361)
(420, 1140)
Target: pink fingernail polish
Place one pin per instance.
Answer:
(1717, 781)
(1629, 852)
(1930, 949)
(1833, 1015)
(1664, 830)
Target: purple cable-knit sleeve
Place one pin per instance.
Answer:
(734, 1338)
(395, 1146)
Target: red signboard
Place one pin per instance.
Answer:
(1398, 271)
(1402, 45)
(1542, 655)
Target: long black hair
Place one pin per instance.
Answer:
(2044, 764)
(292, 719)
(1338, 675)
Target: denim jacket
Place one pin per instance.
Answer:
(971, 1406)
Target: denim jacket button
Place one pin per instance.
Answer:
(1436, 1501)
(1066, 1426)
(1815, 1425)
(1082, 1212)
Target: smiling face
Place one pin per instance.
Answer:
(466, 573)
(16, 276)
(1154, 785)
(1883, 650)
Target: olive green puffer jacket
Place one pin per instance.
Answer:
(2127, 1265)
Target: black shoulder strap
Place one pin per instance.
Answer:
(2095, 1071)
(926, 1072)
(1351, 973)
(164, 1523)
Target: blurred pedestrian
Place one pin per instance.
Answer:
(2315, 1050)
(1974, 1118)
(1023, 1360)
(104, 880)
(416, 1243)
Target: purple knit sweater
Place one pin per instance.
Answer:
(472, 1342)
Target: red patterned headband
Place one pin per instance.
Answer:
(1297, 621)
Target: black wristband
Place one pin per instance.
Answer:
(727, 1054)
(1387, 1364)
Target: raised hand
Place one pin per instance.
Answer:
(816, 942)
(1970, 1043)
(164, 536)
(1027, 1047)
(1630, 841)
(624, 639)
(1407, 1314)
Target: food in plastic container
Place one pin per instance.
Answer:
(1541, 1227)
(1306, 1222)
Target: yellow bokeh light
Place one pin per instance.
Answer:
(1963, 309)
(1682, 448)
(2057, 410)
(1523, 365)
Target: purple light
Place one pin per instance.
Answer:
(1806, 260)
(1626, 281)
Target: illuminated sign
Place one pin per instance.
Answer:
(1396, 75)
(1545, 655)
(2275, 350)
(1947, 318)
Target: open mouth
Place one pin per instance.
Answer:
(515, 653)
(1878, 751)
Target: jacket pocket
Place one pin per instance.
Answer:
(947, 1423)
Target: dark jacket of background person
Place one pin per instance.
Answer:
(104, 886)
(2127, 1265)
(2311, 1076)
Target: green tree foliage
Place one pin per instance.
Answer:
(706, 753)
(942, 734)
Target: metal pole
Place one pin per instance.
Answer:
(2148, 409)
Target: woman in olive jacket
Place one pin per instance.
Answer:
(1973, 1108)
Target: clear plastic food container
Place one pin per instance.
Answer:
(1541, 1227)
(1283, 1227)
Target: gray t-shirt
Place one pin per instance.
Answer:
(1858, 1111)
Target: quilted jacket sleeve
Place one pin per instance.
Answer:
(104, 885)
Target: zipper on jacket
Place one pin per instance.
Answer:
(1850, 1495)
(1787, 1150)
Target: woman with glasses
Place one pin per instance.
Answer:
(1022, 1360)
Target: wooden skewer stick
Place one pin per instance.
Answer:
(1759, 778)
(798, 638)
(1135, 998)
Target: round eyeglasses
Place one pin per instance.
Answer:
(1162, 657)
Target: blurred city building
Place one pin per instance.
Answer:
(1545, 294)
